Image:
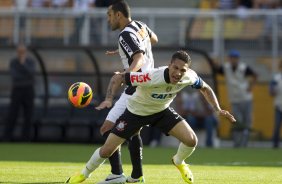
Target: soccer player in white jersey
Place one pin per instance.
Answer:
(135, 50)
(149, 105)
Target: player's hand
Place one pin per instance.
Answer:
(111, 52)
(104, 104)
(227, 115)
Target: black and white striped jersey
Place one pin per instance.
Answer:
(135, 38)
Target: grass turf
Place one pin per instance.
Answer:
(53, 163)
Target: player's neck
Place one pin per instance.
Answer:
(124, 23)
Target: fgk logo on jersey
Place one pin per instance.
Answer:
(140, 78)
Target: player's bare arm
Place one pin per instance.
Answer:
(138, 61)
(210, 96)
(111, 52)
(116, 82)
(153, 38)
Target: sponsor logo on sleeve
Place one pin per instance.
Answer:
(126, 46)
(140, 78)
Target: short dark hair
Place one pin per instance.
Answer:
(182, 55)
(122, 6)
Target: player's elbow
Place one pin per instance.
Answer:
(117, 78)
(154, 39)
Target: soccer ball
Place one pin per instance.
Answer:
(80, 94)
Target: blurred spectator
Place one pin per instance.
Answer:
(22, 70)
(242, 8)
(80, 7)
(208, 4)
(20, 4)
(59, 3)
(198, 113)
(240, 79)
(38, 3)
(103, 3)
(276, 91)
(155, 136)
(227, 4)
(201, 116)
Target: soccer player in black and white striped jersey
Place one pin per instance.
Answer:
(135, 50)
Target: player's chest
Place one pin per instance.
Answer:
(165, 92)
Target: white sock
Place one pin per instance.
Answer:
(183, 152)
(94, 162)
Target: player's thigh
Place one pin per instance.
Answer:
(117, 110)
(184, 133)
(111, 145)
(107, 126)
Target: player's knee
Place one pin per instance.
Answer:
(191, 140)
(106, 152)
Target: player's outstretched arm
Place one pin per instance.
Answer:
(138, 61)
(116, 82)
(111, 52)
(210, 96)
(153, 38)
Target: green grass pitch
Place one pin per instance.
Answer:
(54, 163)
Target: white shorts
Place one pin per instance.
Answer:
(118, 108)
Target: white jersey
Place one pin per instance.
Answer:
(237, 83)
(154, 92)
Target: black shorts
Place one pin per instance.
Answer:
(128, 123)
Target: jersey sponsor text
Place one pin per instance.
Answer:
(140, 78)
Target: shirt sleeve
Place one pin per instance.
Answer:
(139, 78)
(130, 44)
(198, 84)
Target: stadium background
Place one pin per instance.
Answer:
(64, 58)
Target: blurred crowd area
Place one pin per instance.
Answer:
(202, 4)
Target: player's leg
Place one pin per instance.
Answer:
(115, 160)
(171, 123)
(111, 145)
(184, 133)
(135, 146)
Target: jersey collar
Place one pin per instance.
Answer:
(166, 75)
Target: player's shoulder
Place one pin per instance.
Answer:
(139, 23)
(191, 73)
